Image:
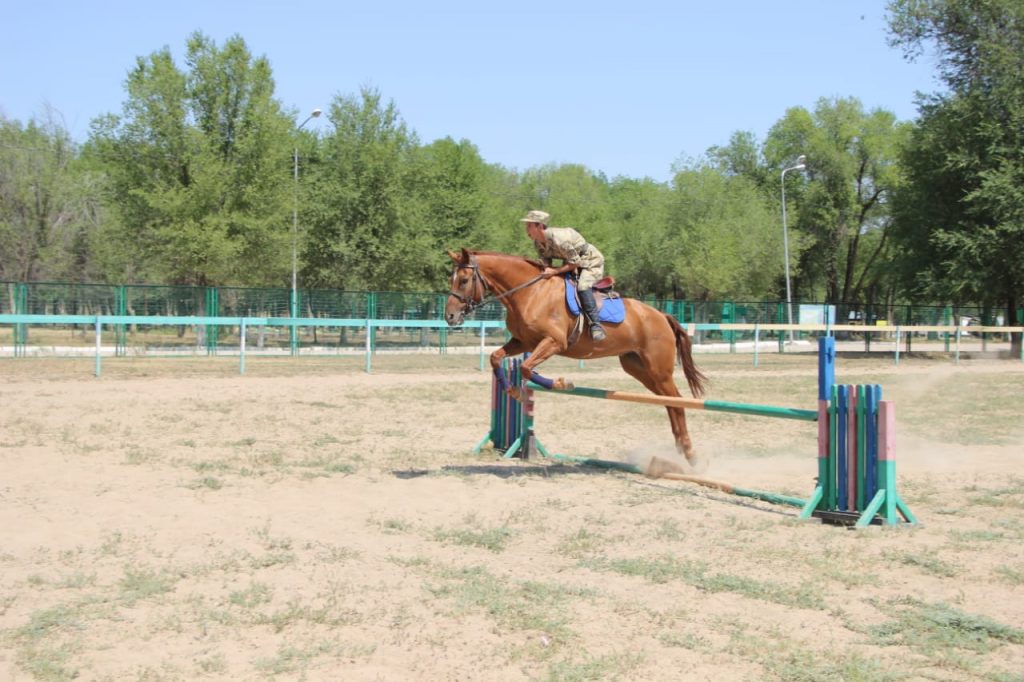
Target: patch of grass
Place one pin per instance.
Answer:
(668, 529)
(970, 536)
(209, 465)
(1010, 575)
(141, 583)
(252, 596)
(46, 621)
(329, 464)
(391, 525)
(667, 568)
(324, 439)
(411, 562)
(965, 424)
(1011, 496)
(786, 660)
(297, 659)
(270, 542)
(333, 554)
(76, 581)
(274, 558)
(136, 456)
(520, 606)
(206, 483)
(112, 543)
(581, 543)
(492, 539)
(294, 612)
(610, 667)
(48, 662)
(936, 628)
(928, 564)
(831, 567)
(683, 641)
(211, 664)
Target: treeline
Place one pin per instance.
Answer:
(194, 182)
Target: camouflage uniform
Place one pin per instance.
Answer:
(569, 245)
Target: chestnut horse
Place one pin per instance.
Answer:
(647, 342)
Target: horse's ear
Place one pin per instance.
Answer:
(466, 257)
(454, 256)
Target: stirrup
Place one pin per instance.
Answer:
(597, 332)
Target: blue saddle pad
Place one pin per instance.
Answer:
(613, 310)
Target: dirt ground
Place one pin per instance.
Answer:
(174, 520)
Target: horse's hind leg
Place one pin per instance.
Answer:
(662, 384)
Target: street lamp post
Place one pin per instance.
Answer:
(294, 307)
(785, 239)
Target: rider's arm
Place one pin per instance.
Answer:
(561, 270)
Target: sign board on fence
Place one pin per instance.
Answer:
(815, 314)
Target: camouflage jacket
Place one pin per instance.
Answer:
(570, 246)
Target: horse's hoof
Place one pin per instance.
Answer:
(562, 384)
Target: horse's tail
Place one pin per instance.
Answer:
(694, 377)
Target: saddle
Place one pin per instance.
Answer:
(610, 306)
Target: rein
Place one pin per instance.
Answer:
(479, 281)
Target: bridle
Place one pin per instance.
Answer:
(481, 289)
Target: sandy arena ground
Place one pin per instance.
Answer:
(176, 521)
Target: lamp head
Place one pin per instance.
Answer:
(317, 112)
(800, 162)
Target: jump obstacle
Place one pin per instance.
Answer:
(856, 443)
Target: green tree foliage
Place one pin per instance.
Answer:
(198, 170)
(360, 236)
(48, 206)
(638, 212)
(447, 200)
(721, 239)
(961, 212)
(841, 202)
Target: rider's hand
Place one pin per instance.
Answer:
(549, 273)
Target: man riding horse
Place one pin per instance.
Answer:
(569, 245)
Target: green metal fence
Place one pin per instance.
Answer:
(142, 300)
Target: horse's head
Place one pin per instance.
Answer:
(467, 288)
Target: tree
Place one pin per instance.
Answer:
(446, 200)
(721, 236)
(961, 214)
(360, 234)
(844, 201)
(48, 209)
(198, 172)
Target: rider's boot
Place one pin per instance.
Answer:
(590, 309)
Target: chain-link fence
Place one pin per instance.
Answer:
(140, 301)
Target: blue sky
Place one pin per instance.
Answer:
(625, 88)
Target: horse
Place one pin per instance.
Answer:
(648, 342)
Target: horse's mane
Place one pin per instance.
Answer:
(532, 261)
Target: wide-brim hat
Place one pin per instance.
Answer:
(536, 217)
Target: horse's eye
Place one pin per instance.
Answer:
(463, 281)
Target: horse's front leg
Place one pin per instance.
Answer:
(544, 350)
(513, 347)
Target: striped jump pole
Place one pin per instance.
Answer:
(688, 403)
(506, 415)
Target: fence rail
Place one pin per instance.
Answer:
(211, 327)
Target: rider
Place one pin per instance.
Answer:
(574, 251)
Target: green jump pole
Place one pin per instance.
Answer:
(687, 403)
